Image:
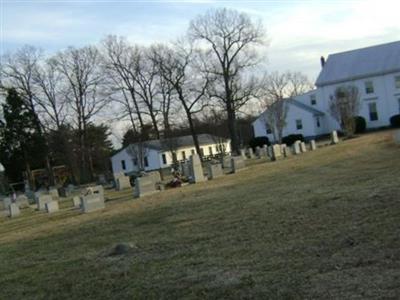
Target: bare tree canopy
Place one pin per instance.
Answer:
(231, 38)
(276, 89)
(344, 106)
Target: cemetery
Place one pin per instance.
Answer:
(197, 222)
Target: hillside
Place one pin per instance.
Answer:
(321, 225)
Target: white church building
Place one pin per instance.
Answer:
(375, 71)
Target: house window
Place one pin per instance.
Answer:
(313, 100)
(201, 151)
(373, 112)
(146, 161)
(174, 158)
(183, 155)
(134, 161)
(397, 82)
(216, 149)
(369, 87)
(299, 124)
(164, 159)
(318, 122)
(210, 151)
(123, 165)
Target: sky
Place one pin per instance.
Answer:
(298, 32)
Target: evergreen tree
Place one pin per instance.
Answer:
(21, 146)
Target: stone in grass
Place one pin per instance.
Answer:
(122, 248)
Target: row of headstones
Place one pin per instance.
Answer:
(277, 151)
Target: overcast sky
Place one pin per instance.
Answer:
(299, 32)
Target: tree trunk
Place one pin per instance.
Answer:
(232, 129)
(194, 135)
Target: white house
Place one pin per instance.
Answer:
(158, 154)
(375, 71)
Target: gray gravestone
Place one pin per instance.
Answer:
(52, 207)
(144, 186)
(286, 151)
(91, 203)
(276, 152)
(53, 192)
(243, 153)
(14, 210)
(250, 153)
(77, 201)
(42, 200)
(185, 169)
(196, 169)
(313, 146)
(237, 163)
(263, 152)
(396, 136)
(215, 170)
(296, 147)
(22, 201)
(226, 162)
(122, 183)
(258, 153)
(303, 147)
(5, 203)
(334, 137)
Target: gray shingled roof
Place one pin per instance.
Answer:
(182, 141)
(360, 63)
(306, 107)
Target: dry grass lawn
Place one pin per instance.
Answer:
(325, 224)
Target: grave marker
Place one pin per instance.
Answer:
(215, 170)
(144, 186)
(334, 137)
(42, 200)
(92, 203)
(52, 207)
(237, 163)
(296, 147)
(303, 147)
(14, 210)
(196, 169)
(313, 146)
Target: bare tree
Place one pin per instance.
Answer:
(17, 71)
(80, 68)
(176, 66)
(231, 38)
(277, 89)
(119, 62)
(344, 106)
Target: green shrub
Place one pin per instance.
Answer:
(395, 121)
(360, 124)
(291, 138)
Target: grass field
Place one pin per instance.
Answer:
(325, 224)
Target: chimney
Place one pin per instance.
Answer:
(322, 61)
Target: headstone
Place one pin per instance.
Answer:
(286, 152)
(155, 175)
(122, 183)
(243, 153)
(258, 154)
(5, 203)
(215, 170)
(52, 207)
(263, 151)
(226, 162)
(283, 147)
(95, 190)
(396, 136)
(77, 201)
(296, 147)
(313, 145)
(102, 179)
(42, 200)
(270, 152)
(53, 192)
(144, 186)
(276, 152)
(303, 147)
(334, 137)
(250, 153)
(22, 201)
(91, 203)
(237, 163)
(63, 192)
(185, 169)
(14, 210)
(196, 169)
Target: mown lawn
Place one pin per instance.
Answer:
(325, 224)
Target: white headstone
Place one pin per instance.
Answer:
(14, 210)
(296, 147)
(250, 153)
(303, 147)
(276, 152)
(215, 170)
(334, 137)
(122, 183)
(144, 185)
(91, 203)
(237, 163)
(42, 200)
(313, 145)
(52, 207)
(77, 201)
(196, 169)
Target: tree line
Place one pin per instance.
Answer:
(58, 103)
